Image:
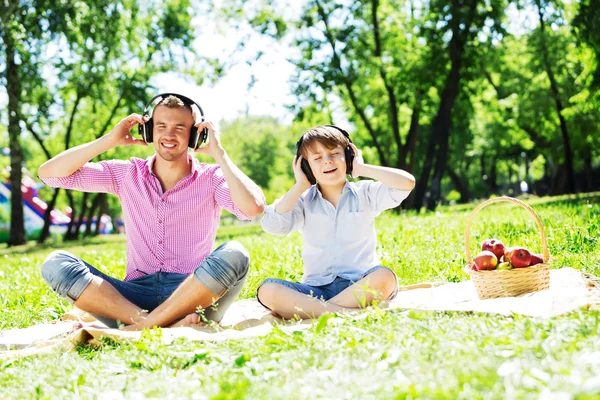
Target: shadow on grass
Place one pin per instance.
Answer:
(57, 243)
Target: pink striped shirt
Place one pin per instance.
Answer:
(170, 231)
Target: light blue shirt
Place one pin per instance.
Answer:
(338, 242)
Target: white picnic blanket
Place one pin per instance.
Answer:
(569, 290)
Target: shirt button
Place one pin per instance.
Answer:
(160, 221)
(162, 200)
(163, 264)
(160, 242)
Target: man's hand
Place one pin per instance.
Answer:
(213, 148)
(301, 178)
(121, 135)
(358, 162)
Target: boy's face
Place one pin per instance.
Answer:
(327, 165)
(171, 132)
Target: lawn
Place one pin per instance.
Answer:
(393, 354)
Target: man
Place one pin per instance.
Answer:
(171, 208)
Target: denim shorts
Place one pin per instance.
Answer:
(329, 290)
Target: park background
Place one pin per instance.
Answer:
(475, 98)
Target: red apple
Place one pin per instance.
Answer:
(486, 260)
(518, 257)
(536, 259)
(495, 246)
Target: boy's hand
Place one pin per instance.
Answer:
(121, 135)
(301, 179)
(358, 162)
(213, 148)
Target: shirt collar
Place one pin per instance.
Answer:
(314, 190)
(195, 164)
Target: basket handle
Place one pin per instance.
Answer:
(545, 253)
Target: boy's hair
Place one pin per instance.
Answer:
(329, 137)
(176, 102)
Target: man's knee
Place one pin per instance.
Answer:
(53, 270)
(224, 268)
(235, 255)
(62, 271)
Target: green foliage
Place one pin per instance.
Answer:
(379, 63)
(396, 354)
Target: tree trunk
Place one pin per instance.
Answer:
(84, 207)
(102, 209)
(570, 171)
(465, 195)
(443, 119)
(493, 178)
(13, 88)
(48, 217)
(90, 215)
(417, 198)
(408, 154)
(69, 232)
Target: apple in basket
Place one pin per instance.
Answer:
(495, 246)
(536, 259)
(518, 257)
(486, 260)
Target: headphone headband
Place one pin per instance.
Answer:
(186, 100)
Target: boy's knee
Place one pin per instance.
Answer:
(265, 294)
(384, 280)
(269, 293)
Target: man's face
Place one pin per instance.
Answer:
(171, 132)
(327, 165)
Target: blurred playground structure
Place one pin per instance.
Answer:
(34, 209)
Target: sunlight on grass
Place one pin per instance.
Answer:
(397, 354)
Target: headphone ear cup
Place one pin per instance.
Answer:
(349, 160)
(307, 171)
(193, 142)
(203, 137)
(148, 127)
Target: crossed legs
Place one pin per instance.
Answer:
(220, 277)
(379, 285)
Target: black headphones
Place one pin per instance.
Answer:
(348, 152)
(146, 129)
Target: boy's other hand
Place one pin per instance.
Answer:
(301, 179)
(358, 161)
(121, 135)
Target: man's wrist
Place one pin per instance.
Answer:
(110, 141)
(221, 157)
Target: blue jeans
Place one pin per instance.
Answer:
(324, 292)
(223, 272)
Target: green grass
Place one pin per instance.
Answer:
(396, 354)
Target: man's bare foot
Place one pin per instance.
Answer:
(190, 320)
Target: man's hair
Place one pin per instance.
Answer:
(175, 102)
(325, 135)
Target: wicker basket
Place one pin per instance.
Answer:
(512, 282)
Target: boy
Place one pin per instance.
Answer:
(341, 267)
